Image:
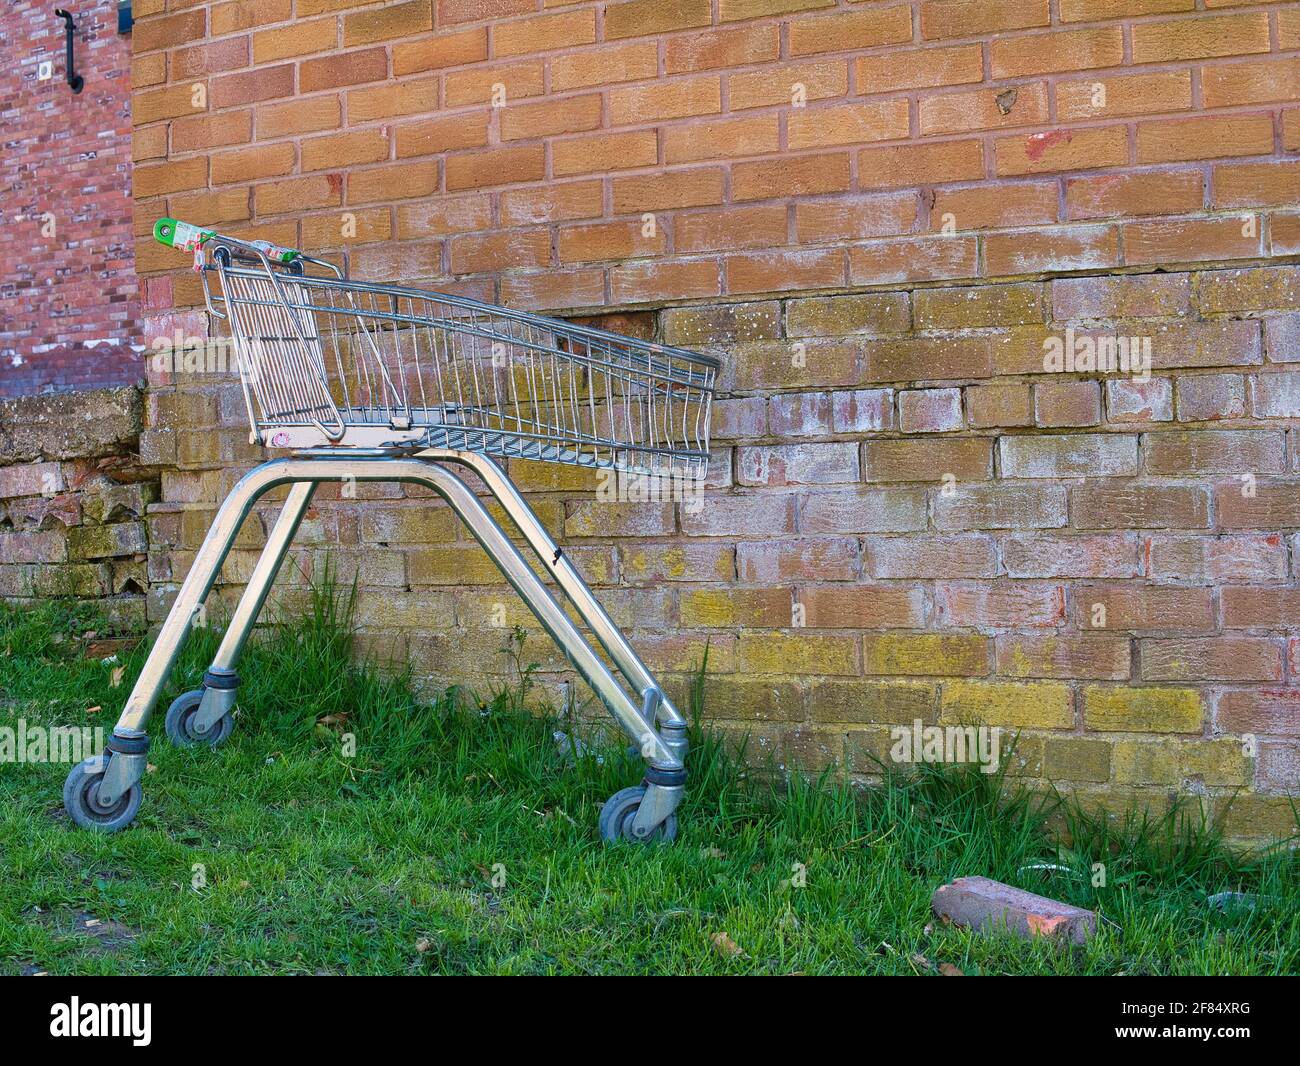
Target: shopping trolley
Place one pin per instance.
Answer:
(369, 382)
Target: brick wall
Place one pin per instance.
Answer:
(68, 293)
(72, 501)
(876, 214)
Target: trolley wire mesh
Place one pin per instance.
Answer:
(335, 353)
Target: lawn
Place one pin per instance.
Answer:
(460, 839)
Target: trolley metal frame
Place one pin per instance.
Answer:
(429, 445)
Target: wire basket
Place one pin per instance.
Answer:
(381, 366)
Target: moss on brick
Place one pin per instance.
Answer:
(1142, 709)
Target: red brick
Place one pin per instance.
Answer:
(813, 80)
(602, 152)
(1079, 149)
(664, 280)
(850, 31)
(1199, 38)
(781, 270)
(1179, 140)
(791, 176)
(263, 83)
(730, 229)
(545, 33)
(920, 164)
(1189, 241)
(668, 189)
(1129, 94)
(1051, 53)
(495, 166)
(835, 220)
(996, 605)
(721, 138)
(926, 259)
(849, 124)
(736, 47)
(984, 109)
(640, 18)
(500, 251)
(350, 68)
(1143, 193)
(444, 50)
(1054, 249)
(921, 68)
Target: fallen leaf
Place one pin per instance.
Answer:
(947, 969)
(423, 944)
(116, 678)
(725, 946)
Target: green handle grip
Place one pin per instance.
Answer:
(174, 234)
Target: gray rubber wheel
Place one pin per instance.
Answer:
(618, 813)
(179, 723)
(81, 798)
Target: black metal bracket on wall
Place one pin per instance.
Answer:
(75, 81)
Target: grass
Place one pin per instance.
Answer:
(458, 839)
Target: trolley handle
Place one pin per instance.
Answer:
(173, 233)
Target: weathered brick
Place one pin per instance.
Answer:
(863, 607)
(862, 410)
(1215, 560)
(1218, 452)
(1102, 506)
(999, 605)
(925, 654)
(971, 555)
(797, 653)
(929, 410)
(990, 406)
(1142, 609)
(1140, 401)
(1067, 403)
(1259, 710)
(798, 559)
(863, 511)
(1064, 655)
(962, 459)
(1011, 704)
(1068, 455)
(998, 505)
(1140, 709)
(1207, 397)
(1211, 659)
(1076, 759)
(858, 701)
(798, 464)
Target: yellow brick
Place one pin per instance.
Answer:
(724, 608)
(787, 653)
(454, 564)
(860, 701)
(1258, 817)
(1217, 762)
(1018, 705)
(1145, 762)
(1142, 709)
(1076, 759)
(925, 654)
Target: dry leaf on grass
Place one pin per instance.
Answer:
(725, 946)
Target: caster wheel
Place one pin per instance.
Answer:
(179, 723)
(81, 798)
(619, 812)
